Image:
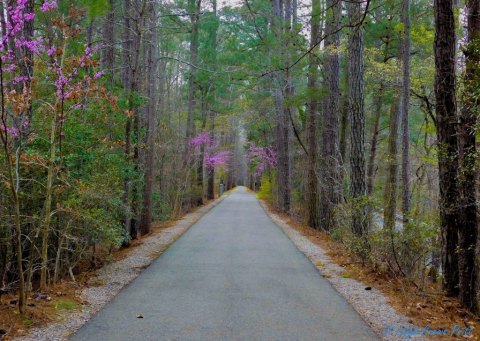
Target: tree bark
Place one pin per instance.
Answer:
(313, 218)
(126, 81)
(201, 161)
(282, 119)
(25, 61)
(356, 99)
(194, 13)
(289, 109)
(389, 212)
(48, 207)
(211, 113)
(194, 9)
(131, 58)
(344, 128)
(405, 18)
(108, 50)
(139, 31)
(331, 186)
(12, 181)
(152, 55)
(468, 228)
(446, 117)
(374, 143)
(210, 168)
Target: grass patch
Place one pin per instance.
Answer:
(27, 321)
(65, 304)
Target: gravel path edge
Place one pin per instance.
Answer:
(372, 305)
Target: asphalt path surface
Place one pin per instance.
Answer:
(234, 275)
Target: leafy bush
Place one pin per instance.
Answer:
(265, 192)
(407, 250)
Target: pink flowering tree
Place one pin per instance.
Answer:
(206, 153)
(261, 159)
(212, 157)
(63, 80)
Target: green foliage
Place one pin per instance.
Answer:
(95, 211)
(96, 8)
(265, 192)
(359, 246)
(403, 251)
(161, 208)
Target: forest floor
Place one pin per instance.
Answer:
(56, 314)
(427, 311)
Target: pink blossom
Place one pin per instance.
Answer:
(10, 55)
(98, 47)
(61, 83)
(48, 6)
(29, 16)
(261, 158)
(20, 79)
(66, 83)
(25, 123)
(99, 74)
(76, 106)
(218, 159)
(203, 138)
(51, 51)
(12, 131)
(35, 46)
(10, 68)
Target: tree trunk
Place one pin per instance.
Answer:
(289, 109)
(152, 55)
(373, 145)
(132, 45)
(25, 61)
(5, 235)
(213, 40)
(357, 119)
(405, 109)
(389, 212)
(331, 186)
(12, 185)
(313, 218)
(344, 121)
(108, 50)
(210, 168)
(468, 228)
(48, 208)
(446, 117)
(282, 120)
(201, 161)
(194, 9)
(139, 30)
(126, 81)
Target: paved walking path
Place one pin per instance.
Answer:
(233, 276)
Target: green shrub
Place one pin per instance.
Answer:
(265, 192)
